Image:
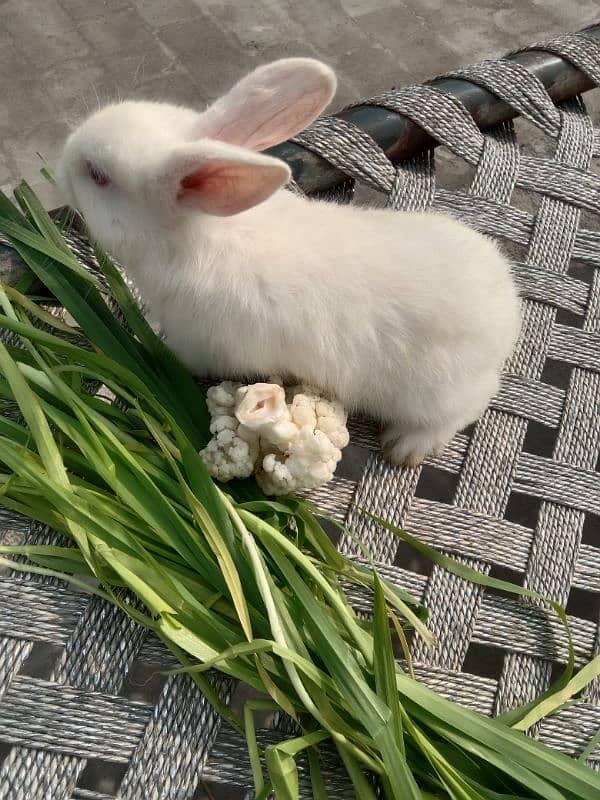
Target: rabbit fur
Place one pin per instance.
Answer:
(405, 317)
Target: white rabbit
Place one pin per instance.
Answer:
(407, 317)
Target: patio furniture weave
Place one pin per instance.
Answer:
(519, 495)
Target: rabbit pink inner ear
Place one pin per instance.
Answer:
(222, 188)
(272, 104)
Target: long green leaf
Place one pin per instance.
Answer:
(479, 579)
(27, 242)
(362, 788)
(341, 661)
(317, 783)
(34, 417)
(214, 538)
(515, 748)
(346, 614)
(42, 220)
(550, 704)
(385, 667)
(174, 372)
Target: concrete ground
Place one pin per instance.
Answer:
(61, 58)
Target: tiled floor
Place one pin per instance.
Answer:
(61, 58)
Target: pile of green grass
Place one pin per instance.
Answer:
(229, 580)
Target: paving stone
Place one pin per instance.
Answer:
(163, 12)
(212, 55)
(59, 59)
(84, 10)
(42, 33)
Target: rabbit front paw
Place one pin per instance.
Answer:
(410, 448)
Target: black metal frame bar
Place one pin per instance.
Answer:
(401, 138)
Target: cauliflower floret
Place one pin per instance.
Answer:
(329, 416)
(291, 438)
(223, 422)
(279, 435)
(331, 419)
(304, 406)
(220, 399)
(310, 462)
(233, 451)
(262, 408)
(231, 454)
(274, 477)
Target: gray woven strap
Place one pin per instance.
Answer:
(521, 90)
(178, 711)
(494, 466)
(579, 48)
(350, 149)
(95, 659)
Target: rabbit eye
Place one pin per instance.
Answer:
(100, 178)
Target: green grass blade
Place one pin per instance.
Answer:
(31, 246)
(35, 508)
(8, 210)
(44, 223)
(384, 665)
(479, 579)
(276, 541)
(212, 532)
(273, 690)
(281, 763)
(37, 311)
(317, 783)
(253, 752)
(113, 372)
(362, 788)
(230, 654)
(175, 374)
(553, 702)
(340, 660)
(534, 783)
(34, 417)
(18, 566)
(283, 773)
(134, 486)
(515, 748)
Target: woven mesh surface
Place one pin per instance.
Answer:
(82, 713)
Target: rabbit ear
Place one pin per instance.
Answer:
(271, 104)
(221, 179)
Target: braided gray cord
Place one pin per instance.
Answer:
(495, 498)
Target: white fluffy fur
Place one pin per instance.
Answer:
(407, 317)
